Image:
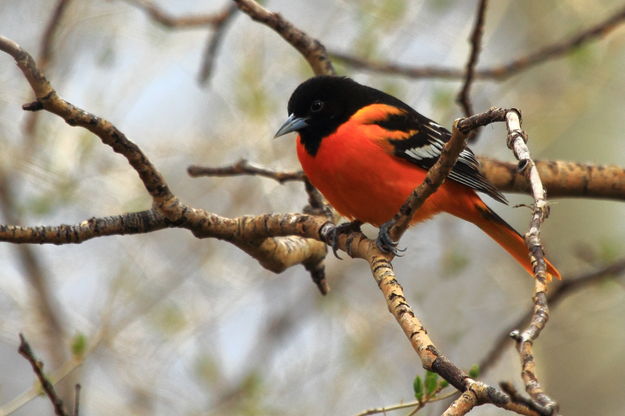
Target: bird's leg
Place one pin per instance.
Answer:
(384, 241)
(334, 233)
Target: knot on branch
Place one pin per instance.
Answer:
(515, 134)
(34, 106)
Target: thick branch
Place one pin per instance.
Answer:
(131, 223)
(243, 167)
(560, 178)
(275, 254)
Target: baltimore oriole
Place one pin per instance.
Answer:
(366, 151)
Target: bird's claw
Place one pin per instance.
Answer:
(336, 231)
(385, 243)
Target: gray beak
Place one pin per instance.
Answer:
(292, 123)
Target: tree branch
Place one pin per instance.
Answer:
(190, 21)
(275, 254)
(311, 49)
(295, 237)
(37, 365)
(517, 140)
(214, 40)
(47, 39)
(49, 100)
(243, 167)
(556, 294)
(493, 73)
(438, 172)
(463, 97)
(560, 178)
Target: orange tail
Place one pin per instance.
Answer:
(500, 231)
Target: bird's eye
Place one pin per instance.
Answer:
(316, 106)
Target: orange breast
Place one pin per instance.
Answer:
(355, 171)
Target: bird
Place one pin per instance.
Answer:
(366, 151)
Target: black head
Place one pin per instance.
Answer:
(321, 104)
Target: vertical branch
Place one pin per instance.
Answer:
(47, 40)
(76, 411)
(48, 388)
(44, 59)
(517, 140)
(31, 263)
(34, 273)
(463, 97)
(215, 39)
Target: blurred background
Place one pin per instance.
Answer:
(166, 324)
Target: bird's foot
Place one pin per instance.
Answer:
(384, 241)
(334, 233)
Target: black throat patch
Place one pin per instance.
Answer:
(312, 136)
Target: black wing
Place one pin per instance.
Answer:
(424, 147)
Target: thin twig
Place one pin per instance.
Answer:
(180, 22)
(243, 167)
(217, 21)
(494, 73)
(76, 411)
(391, 408)
(36, 274)
(557, 49)
(555, 295)
(464, 97)
(214, 40)
(316, 203)
(517, 397)
(25, 350)
(417, 404)
(45, 53)
(395, 68)
(45, 57)
(312, 49)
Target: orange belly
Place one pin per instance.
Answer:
(363, 181)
